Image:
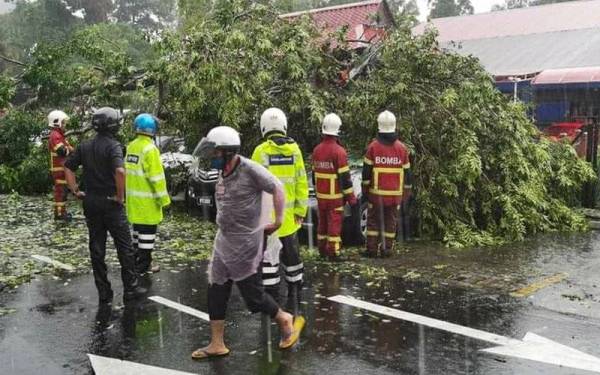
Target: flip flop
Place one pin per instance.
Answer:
(291, 339)
(203, 354)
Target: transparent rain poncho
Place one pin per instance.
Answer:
(238, 247)
(273, 246)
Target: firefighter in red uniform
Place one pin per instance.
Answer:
(385, 167)
(333, 187)
(59, 149)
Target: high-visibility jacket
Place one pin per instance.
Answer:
(333, 185)
(146, 187)
(59, 148)
(384, 167)
(282, 157)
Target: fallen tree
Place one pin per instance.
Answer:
(482, 174)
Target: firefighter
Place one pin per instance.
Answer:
(281, 155)
(59, 148)
(333, 187)
(146, 190)
(238, 245)
(104, 179)
(385, 167)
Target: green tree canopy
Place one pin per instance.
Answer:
(238, 61)
(483, 175)
(450, 8)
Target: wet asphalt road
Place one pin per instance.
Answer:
(57, 322)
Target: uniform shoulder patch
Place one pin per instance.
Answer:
(131, 158)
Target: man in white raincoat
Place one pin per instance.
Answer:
(238, 246)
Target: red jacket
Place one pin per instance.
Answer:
(333, 184)
(59, 149)
(385, 163)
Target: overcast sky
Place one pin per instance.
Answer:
(481, 6)
(5, 7)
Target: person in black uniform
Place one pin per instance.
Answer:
(104, 181)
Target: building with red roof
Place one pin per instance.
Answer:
(365, 21)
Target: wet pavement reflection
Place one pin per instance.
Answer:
(56, 323)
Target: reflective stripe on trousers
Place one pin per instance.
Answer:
(382, 223)
(144, 238)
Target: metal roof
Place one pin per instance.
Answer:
(571, 15)
(526, 54)
(573, 77)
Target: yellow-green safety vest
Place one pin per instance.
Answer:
(284, 159)
(146, 193)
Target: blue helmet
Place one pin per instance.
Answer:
(146, 124)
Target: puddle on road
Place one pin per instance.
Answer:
(61, 320)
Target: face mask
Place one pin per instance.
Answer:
(217, 163)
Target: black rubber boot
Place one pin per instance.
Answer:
(134, 294)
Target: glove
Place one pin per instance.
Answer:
(352, 200)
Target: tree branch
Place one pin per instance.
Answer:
(110, 42)
(7, 59)
(357, 41)
(100, 69)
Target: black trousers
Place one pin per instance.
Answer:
(293, 272)
(252, 292)
(106, 216)
(144, 237)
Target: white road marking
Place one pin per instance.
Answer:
(532, 347)
(55, 263)
(180, 307)
(112, 366)
(429, 322)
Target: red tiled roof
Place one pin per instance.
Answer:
(359, 17)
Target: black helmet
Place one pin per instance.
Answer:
(106, 119)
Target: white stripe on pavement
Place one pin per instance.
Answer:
(112, 366)
(532, 347)
(429, 322)
(180, 307)
(55, 263)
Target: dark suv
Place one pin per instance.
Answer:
(200, 194)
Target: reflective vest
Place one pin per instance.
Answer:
(282, 157)
(146, 187)
(387, 163)
(333, 184)
(59, 149)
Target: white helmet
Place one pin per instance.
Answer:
(273, 119)
(221, 137)
(331, 124)
(386, 122)
(56, 119)
(224, 137)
